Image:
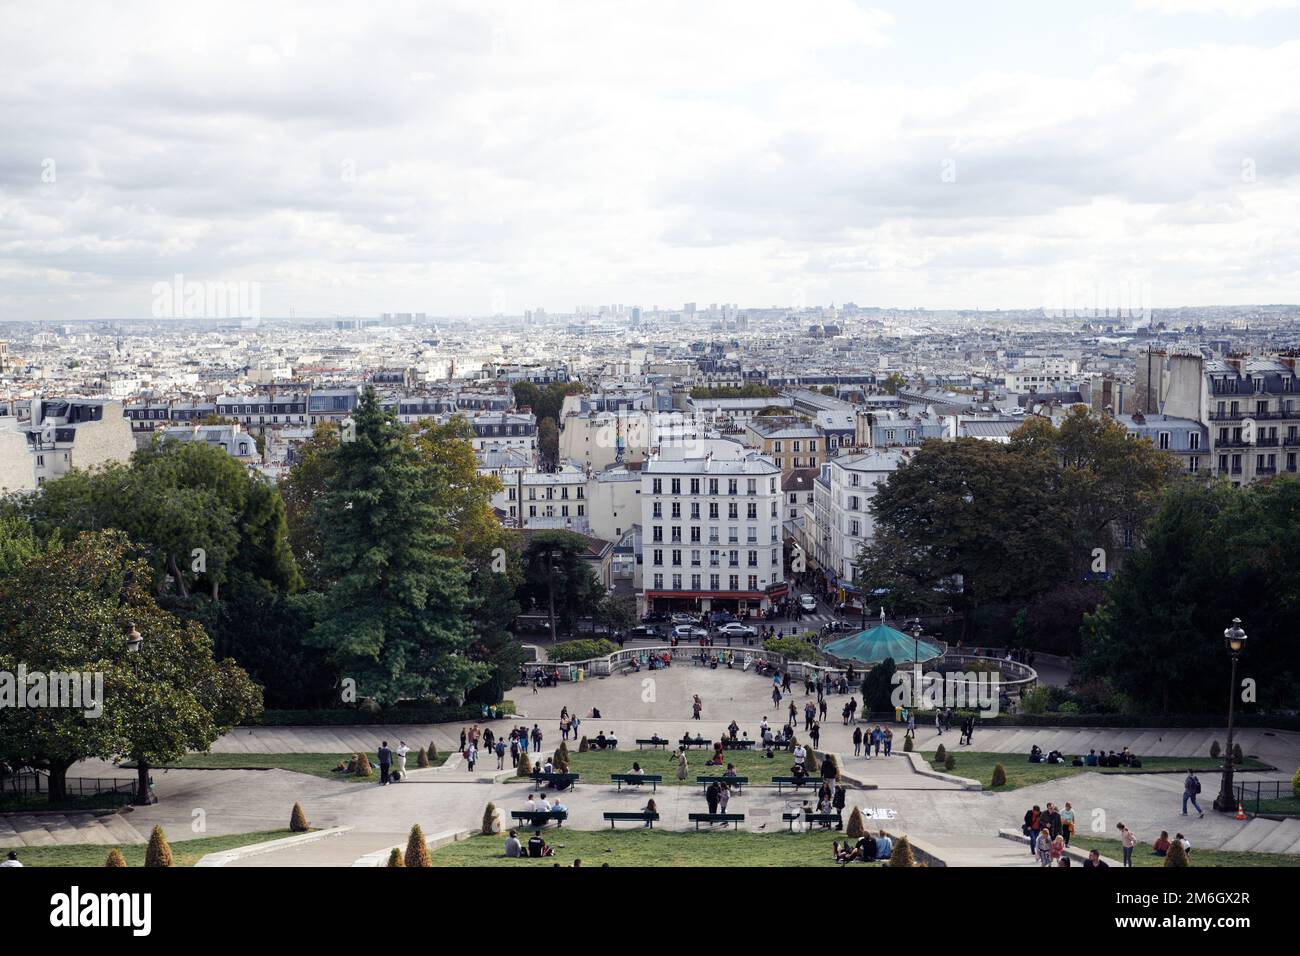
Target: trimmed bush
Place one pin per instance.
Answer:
(298, 820)
(1215, 750)
(907, 744)
(940, 754)
(395, 857)
(432, 750)
(489, 816)
(999, 776)
(367, 714)
(159, 852)
(949, 762)
(856, 828)
(1177, 856)
(580, 650)
(1237, 755)
(115, 858)
(417, 851)
(1295, 784)
(363, 765)
(902, 855)
(524, 768)
(583, 746)
(835, 762)
(422, 758)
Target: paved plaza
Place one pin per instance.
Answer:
(961, 824)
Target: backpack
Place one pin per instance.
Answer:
(1196, 784)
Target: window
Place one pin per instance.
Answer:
(1194, 440)
(1162, 441)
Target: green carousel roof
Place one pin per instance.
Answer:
(875, 644)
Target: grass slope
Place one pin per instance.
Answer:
(318, 765)
(184, 852)
(978, 765)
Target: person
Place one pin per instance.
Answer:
(815, 733)
(733, 730)
(711, 795)
(649, 807)
(11, 859)
(696, 707)
(857, 741)
(530, 804)
(1091, 759)
(514, 749)
(938, 721)
(401, 751)
(731, 772)
(544, 805)
(800, 755)
(1191, 787)
(637, 771)
(537, 739)
(838, 802)
(763, 729)
(888, 737)
(385, 761)
(513, 847)
(1067, 822)
(537, 847)
(601, 740)
(828, 768)
(724, 795)
(681, 763)
(911, 725)
(1031, 827)
(1187, 844)
(1161, 846)
(1043, 847)
(501, 753)
(1095, 862)
(794, 714)
(559, 806)
(471, 756)
(884, 846)
(1128, 841)
(858, 851)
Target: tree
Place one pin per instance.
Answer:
(302, 489)
(878, 688)
(548, 443)
(616, 614)
(555, 577)
(892, 383)
(298, 820)
(489, 819)
(18, 542)
(159, 852)
(70, 613)
(395, 611)
(417, 851)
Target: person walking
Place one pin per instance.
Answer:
(501, 754)
(681, 764)
(385, 761)
(838, 802)
(514, 750)
(888, 736)
(537, 739)
(857, 741)
(471, 757)
(1067, 822)
(711, 795)
(1191, 787)
(401, 751)
(696, 706)
(815, 733)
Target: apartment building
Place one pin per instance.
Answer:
(711, 532)
(59, 435)
(551, 499)
(842, 521)
(792, 443)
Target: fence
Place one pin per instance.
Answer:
(35, 787)
(1252, 793)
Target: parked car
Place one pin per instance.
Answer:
(652, 631)
(736, 629)
(807, 602)
(655, 617)
(688, 632)
(683, 618)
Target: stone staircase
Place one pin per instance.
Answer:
(1260, 835)
(58, 829)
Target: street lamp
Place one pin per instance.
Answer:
(1234, 639)
(916, 661)
(134, 639)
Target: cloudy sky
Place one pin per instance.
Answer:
(478, 157)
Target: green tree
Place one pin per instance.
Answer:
(302, 489)
(557, 579)
(892, 383)
(548, 443)
(395, 614)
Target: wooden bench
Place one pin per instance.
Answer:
(635, 779)
(738, 744)
(657, 742)
(568, 779)
(688, 742)
(540, 817)
(611, 743)
(644, 816)
(792, 782)
(822, 818)
(734, 781)
(711, 818)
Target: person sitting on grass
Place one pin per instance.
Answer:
(1161, 846)
(513, 848)
(864, 850)
(537, 847)
(1035, 754)
(884, 846)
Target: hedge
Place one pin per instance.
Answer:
(338, 717)
(1273, 721)
(580, 650)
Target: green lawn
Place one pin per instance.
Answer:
(184, 852)
(639, 847)
(595, 766)
(1279, 805)
(318, 765)
(1142, 855)
(978, 765)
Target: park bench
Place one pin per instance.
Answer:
(539, 817)
(782, 782)
(643, 816)
(653, 779)
(823, 818)
(689, 742)
(734, 781)
(568, 779)
(611, 743)
(739, 744)
(711, 818)
(660, 743)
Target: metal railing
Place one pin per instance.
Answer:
(1252, 793)
(21, 787)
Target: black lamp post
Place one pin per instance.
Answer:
(916, 661)
(1234, 638)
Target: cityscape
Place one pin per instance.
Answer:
(336, 533)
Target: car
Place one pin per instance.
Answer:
(682, 618)
(687, 632)
(736, 629)
(834, 626)
(646, 630)
(655, 617)
(808, 602)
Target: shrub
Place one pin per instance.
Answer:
(907, 744)
(583, 746)
(298, 820)
(489, 817)
(999, 776)
(524, 768)
(794, 649)
(940, 754)
(949, 762)
(417, 851)
(1295, 784)
(395, 857)
(902, 855)
(835, 762)
(159, 852)
(1215, 749)
(363, 765)
(856, 828)
(1177, 856)
(115, 858)
(422, 758)
(1237, 755)
(432, 751)
(581, 650)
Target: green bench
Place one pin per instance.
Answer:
(632, 779)
(643, 816)
(660, 743)
(688, 742)
(540, 817)
(792, 782)
(825, 819)
(568, 779)
(711, 818)
(735, 781)
(740, 743)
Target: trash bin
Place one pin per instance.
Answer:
(581, 675)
